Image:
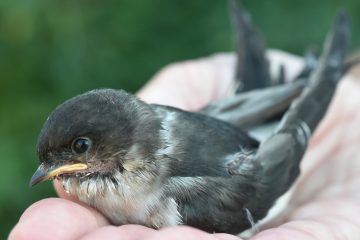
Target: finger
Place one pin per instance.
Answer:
(192, 84)
(188, 233)
(331, 219)
(224, 236)
(61, 192)
(137, 232)
(277, 234)
(125, 232)
(56, 218)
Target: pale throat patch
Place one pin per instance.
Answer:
(129, 201)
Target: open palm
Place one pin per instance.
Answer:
(325, 201)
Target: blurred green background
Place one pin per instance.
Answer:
(53, 50)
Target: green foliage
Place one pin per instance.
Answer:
(52, 50)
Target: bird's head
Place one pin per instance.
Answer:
(96, 133)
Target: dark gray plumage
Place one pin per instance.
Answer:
(252, 69)
(160, 166)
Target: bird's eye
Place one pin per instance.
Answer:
(81, 145)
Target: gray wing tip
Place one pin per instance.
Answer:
(342, 17)
(337, 43)
(342, 23)
(340, 35)
(252, 70)
(240, 19)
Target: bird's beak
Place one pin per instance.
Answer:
(45, 172)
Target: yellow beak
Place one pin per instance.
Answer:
(44, 173)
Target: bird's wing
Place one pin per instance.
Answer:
(252, 108)
(277, 159)
(252, 67)
(256, 99)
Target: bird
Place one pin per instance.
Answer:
(159, 166)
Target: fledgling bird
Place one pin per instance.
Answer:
(161, 166)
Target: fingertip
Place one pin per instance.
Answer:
(17, 234)
(282, 234)
(56, 218)
(60, 207)
(61, 192)
(133, 228)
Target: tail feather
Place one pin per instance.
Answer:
(322, 83)
(252, 68)
(281, 154)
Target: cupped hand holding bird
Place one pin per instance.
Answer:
(325, 200)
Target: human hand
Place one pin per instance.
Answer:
(325, 200)
(323, 205)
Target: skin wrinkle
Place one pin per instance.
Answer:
(107, 233)
(187, 233)
(322, 206)
(310, 227)
(283, 234)
(338, 220)
(320, 187)
(346, 179)
(352, 190)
